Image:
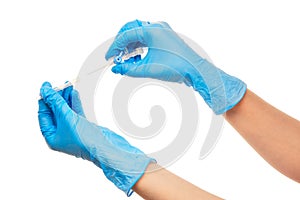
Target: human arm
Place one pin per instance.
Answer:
(169, 58)
(160, 184)
(272, 133)
(66, 130)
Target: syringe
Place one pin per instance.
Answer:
(123, 55)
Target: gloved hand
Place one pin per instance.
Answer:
(169, 58)
(67, 131)
(72, 98)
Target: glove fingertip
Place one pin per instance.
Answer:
(45, 89)
(46, 84)
(131, 25)
(51, 97)
(116, 69)
(112, 51)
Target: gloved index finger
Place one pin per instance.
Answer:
(130, 36)
(132, 25)
(133, 35)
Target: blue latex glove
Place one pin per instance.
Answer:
(72, 98)
(169, 58)
(67, 131)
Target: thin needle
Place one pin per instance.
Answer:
(116, 60)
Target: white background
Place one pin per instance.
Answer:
(257, 41)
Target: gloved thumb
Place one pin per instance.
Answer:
(76, 103)
(133, 67)
(128, 69)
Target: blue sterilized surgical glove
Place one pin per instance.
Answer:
(67, 130)
(169, 58)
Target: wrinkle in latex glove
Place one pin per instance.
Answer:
(169, 58)
(66, 130)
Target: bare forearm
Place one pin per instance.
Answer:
(272, 133)
(163, 185)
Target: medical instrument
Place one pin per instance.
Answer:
(123, 56)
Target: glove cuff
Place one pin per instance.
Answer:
(220, 91)
(126, 179)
